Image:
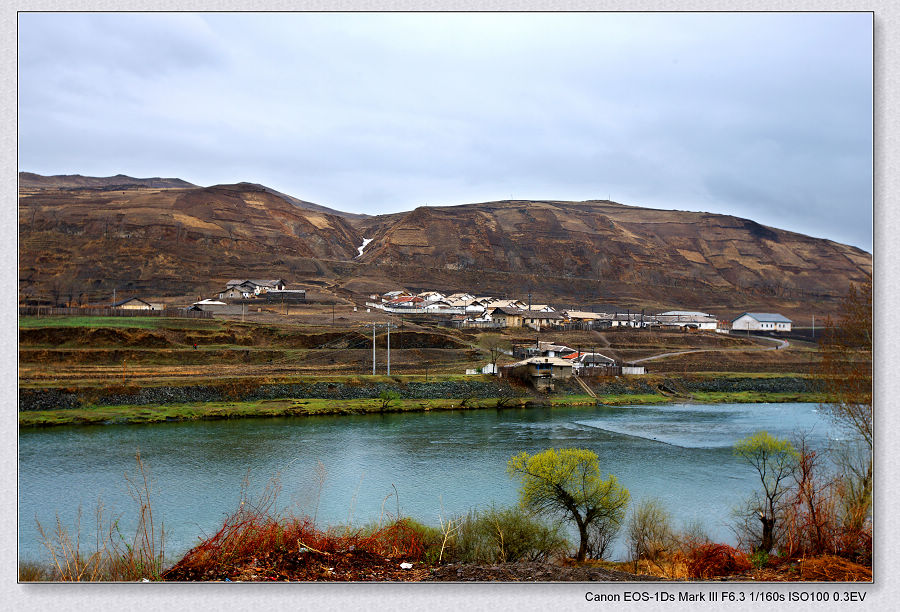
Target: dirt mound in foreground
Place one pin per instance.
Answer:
(364, 566)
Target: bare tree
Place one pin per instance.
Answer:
(846, 374)
(497, 345)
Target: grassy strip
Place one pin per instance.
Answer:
(132, 322)
(132, 414)
(752, 397)
(640, 399)
(101, 415)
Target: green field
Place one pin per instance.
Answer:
(120, 322)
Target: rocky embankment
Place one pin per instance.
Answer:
(73, 398)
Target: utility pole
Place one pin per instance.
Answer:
(389, 349)
(332, 314)
(373, 349)
(814, 327)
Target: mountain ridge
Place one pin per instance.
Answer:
(591, 249)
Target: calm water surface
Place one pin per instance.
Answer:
(441, 464)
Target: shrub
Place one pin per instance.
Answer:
(712, 560)
(506, 535)
(404, 538)
(256, 532)
(650, 534)
(430, 537)
(30, 571)
(759, 559)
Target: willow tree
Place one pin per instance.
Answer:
(775, 460)
(567, 483)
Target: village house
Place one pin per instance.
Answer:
(686, 320)
(136, 304)
(215, 307)
(621, 319)
(495, 303)
(467, 307)
(461, 297)
(541, 308)
(393, 295)
(243, 289)
(431, 296)
(592, 361)
(539, 320)
(439, 307)
(540, 371)
(761, 321)
(506, 317)
(549, 349)
(406, 301)
(580, 316)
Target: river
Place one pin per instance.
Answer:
(441, 463)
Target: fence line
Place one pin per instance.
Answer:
(45, 311)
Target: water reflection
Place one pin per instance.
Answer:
(441, 463)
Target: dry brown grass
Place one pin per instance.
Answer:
(833, 569)
(111, 556)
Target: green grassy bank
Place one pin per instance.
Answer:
(195, 411)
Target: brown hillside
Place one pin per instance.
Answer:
(169, 241)
(613, 243)
(80, 238)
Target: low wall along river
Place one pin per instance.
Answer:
(60, 398)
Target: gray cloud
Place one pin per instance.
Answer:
(765, 115)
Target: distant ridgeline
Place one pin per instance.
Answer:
(166, 237)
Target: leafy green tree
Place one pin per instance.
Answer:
(775, 460)
(567, 483)
(388, 398)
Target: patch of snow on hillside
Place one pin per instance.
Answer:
(360, 248)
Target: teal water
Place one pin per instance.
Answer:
(441, 464)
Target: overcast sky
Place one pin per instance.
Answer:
(766, 116)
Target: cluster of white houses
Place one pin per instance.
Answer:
(546, 362)
(236, 293)
(240, 290)
(467, 310)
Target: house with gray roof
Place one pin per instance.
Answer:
(761, 321)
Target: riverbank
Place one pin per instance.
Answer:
(120, 405)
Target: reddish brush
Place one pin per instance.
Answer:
(255, 534)
(400, 539)
(711, 560)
